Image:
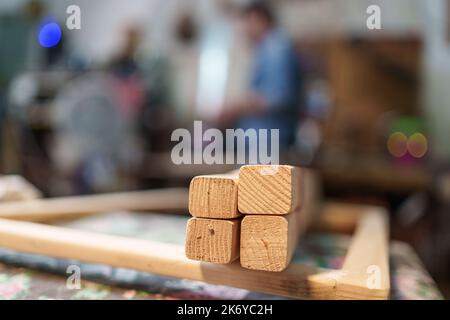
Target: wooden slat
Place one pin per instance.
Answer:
(366, 259)
(69, 207)
(367, 255)
(213, 240)
(269, 189)
(214, 196)
(158, 258)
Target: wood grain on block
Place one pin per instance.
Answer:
(268, 242)
(269, 189)
(265, 242)
(214, 196)
(213, 240)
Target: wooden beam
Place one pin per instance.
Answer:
(41, 210)
(269, 189)
(214, 196)
(268, 242)
(158, 258)
(365, 272)
(213, 240)
(340, 217)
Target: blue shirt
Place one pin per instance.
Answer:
(275, 77)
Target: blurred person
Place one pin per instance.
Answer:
(97, 115)
(19, 50)
(124, 63)
(275, 81)
(185, 62)
(127, 72)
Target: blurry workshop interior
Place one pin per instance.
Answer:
(364, 108)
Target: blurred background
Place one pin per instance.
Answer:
(92, 110)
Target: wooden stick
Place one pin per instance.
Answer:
(69, 207)
(268, 242)
(213, 240)
(365, 273)
(158, 258)
(214, 196)
(268, 189)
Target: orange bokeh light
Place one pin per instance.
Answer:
(417, 145)
(397, 144)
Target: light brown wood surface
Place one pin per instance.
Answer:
(213, 240)
(366, 266)
(214, 196)
(68, 207)
(340, 217)
(269, 189)
(366, 260)
(16, 188)
(268, 242)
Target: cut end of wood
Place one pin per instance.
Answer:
(213, 240)
(269, 189)
(214, 197)
(265, 243)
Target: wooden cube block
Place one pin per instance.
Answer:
(213, 240)
(269, 189)
(214, 196)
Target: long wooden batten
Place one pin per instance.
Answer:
(42, 210)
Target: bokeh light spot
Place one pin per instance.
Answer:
(49, 35)
(417, 145)
(397, 144)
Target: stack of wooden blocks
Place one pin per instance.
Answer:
(256, 214)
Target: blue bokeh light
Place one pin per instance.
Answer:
(49, 35)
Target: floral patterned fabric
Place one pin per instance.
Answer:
(29, 276)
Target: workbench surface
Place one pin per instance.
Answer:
(27, 276)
